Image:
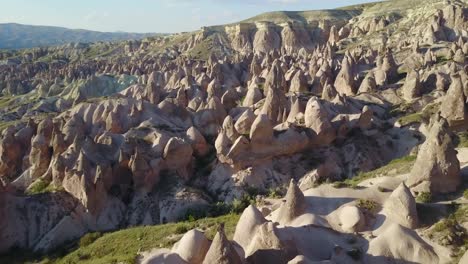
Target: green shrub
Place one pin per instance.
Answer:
(181, 229)
(424, 197)
(239, 205)
(368, 205)
(221, 208)
(462, 140)
(275, 193)
(39, 186)
(444, 224)
(465, 194)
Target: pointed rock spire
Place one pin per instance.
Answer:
(221, 250)
(345, 83)
(453, 106)
(412, 88)
(401, 207)
(368, 85)
(437, 168)
(294, 206)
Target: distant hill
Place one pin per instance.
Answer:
(304, 16)
(18, 36)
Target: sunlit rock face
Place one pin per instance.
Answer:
(337, 127)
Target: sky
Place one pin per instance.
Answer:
(160, 16)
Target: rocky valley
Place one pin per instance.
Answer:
(332, 136)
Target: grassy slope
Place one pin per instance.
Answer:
(282, 16)
(123, 246)
(395, 167)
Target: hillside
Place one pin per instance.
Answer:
(304, 16)
(18, 36)
(314, 136)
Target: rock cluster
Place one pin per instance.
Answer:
(150, 131)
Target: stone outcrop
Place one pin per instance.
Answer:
(294, 206)
(316, 118)
(415, 250)
(250, 220)
(192, 247)
(412, 87)
(453, 106)
(437, 168)
(222, 250)
(345, 83)
(401, 207)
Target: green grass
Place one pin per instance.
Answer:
(5, 125)
(203, 50)
(123, 246)
(88, 239)
(462, 140)
(276, 193)
(450, 231)
(42, 186)
(395, 167)
(5, 101)
(410, 119)
(424, 197)
(420, 117)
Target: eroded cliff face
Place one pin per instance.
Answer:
(152, 129)
(264, 37)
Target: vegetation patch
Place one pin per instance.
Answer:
(450, 231)
(220, 208)
(424, 197)
(395, 167)
(462, 140)
(420, 117)
(123, 246)
(42, 186)
(277, 192)
(5, 125)
(89, 238)
(368, 205)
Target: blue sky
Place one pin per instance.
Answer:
(149, 15)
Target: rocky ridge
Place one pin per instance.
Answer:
(147, 132)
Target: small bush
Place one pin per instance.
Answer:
(39, 186)
(368, 205)
(465, 194)
(220, 208)
(275, 193)
(444, 224)
(239, 205)
(181, 229)
(424, 197)
(461, 140)
(89, 238)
